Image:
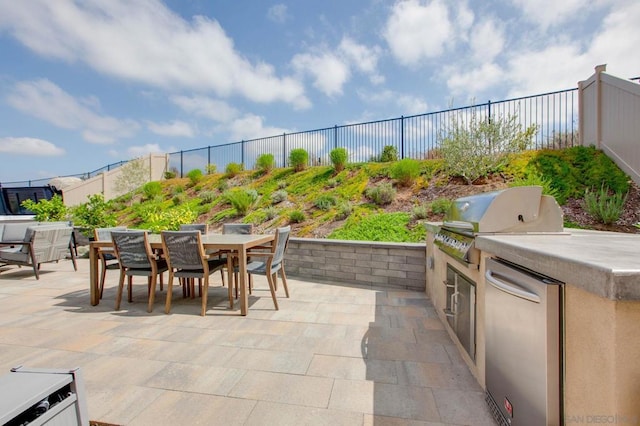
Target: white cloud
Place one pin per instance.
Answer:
(546, 13)
(405, 104)
(139, 151)
(175, 128)
(29, 146)
(278, 13)
(486, 40)
(252, 126)
(144, 41)
(44, 100)
(203, 106)
(474, 81)
(363, 58)
(416, 31)
(329, 71)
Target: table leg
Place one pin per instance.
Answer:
(242, 268)
(93, 276)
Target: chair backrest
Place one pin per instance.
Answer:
(280, 245)
(132, 248)
(104, 234)
(237, 228)
(202, 227)
(183, 249)
(49, 242)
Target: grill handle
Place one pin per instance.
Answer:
(510, 287)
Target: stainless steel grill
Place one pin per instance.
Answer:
(515, 210)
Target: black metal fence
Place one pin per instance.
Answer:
(554, 114)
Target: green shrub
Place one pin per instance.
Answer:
(169, 219)
(475, 147)
(441, 205)
(207, 197)
(211, 169)
(282, 184)
(344, 209)
(270, 212)
(93, 214)
(152, 189)
(420, 212)
(381, 194)
(240, 199)
(325, 202)
(195, 176)
(405, 171)
(47, 210)
(390, 227)
(170, 174)
(604, 206)
(179, 199)
(389, 153)
(339, 157)
(233, 169)
(332, 183)
(265, 163)
(178, 189)
(296, 216)
(278, 196)
(534, 179)
(298, 159)
(223, 185)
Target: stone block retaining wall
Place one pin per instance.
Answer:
(396, 265)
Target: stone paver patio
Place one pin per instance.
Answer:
(332, 355)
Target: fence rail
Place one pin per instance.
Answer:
(554, 114)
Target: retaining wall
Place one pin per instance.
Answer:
(394, 265)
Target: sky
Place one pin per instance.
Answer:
(86, 83)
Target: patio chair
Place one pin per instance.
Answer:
(274, 262)
(202, 227)
(239, 229)
(40, 244)
(136, 258)
(187, 260)
(106, 254)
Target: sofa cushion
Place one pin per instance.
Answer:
(14, 254)
(15, 231)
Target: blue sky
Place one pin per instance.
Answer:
(92, 82)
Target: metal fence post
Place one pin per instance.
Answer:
(402, 136)
(208, 157)
(335, 136)
(284, 149)
(242, 154)
(181, 163)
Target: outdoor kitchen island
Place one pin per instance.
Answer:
(600, 306)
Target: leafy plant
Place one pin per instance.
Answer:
(405, 171)
(211, 168)
(296, 216)
(240, 199)
(604, 206)
(298, 159)
(179, 199)
(282, 184)
(270, 212)
(207, 197)
(265, 163)
(178, 189)
(95, 213)
(152, 189)
(278, 196)
(441, 205)
(169, 219)
(332, 183)
(47, 210)
(344, 209)
(195, 176)
(389, 153)
(170, 174)
(381, 194)
(474, 147)
(339, 157)
(420, 212)
(380, 227)
(325, 202)
(233, 169)
(534, 179)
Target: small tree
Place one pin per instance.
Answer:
(298, 159)
(389, 153)
(475, 147)
(265, 163)
(339, 157)
(132, 175)
(93, 214)
(47, 210)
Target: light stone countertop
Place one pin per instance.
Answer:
(603, 263)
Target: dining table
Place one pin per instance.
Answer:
(237, 243)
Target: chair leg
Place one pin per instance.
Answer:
(284, 280)
(167, 303)
(130, 281)
(119, 293)
(152, 293)
(203, 311)
(161, 280)
(103, 276)
(273, 290)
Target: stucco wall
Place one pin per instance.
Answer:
(396, 265)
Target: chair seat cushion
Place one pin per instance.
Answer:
(214, 264)
(162, 266)
(14, 254)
